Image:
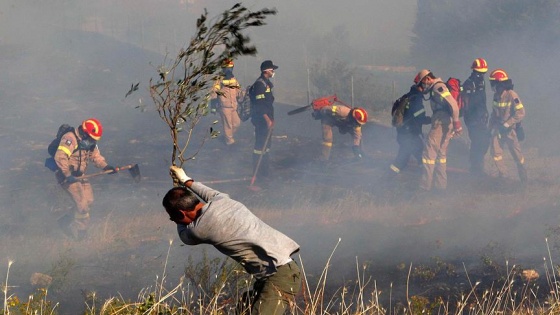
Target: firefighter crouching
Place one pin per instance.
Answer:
(445, 123)
(75, 150)
(347, 119)
(505, 120)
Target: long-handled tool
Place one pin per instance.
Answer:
(299, 110)
(132, 168)
(263, 152)
(223, 181)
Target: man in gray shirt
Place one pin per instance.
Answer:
(207, 216)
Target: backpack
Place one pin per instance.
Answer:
(321, 102)
(53, 146)
(455, 88)
(397, 112)
(244, 104)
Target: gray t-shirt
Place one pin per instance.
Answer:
(236, 232)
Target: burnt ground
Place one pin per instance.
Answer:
(472, 229)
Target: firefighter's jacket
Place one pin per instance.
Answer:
(442, 102)
(338, 115)
(227, 91)
(73, 160)
(414, 114)
(263, 99)
(475, 111)
(507, 108)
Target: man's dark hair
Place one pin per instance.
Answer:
(179, 198)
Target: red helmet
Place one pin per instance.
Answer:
(93, 128)
(360, 115)
(498, 75)
(416, 79)
(479, 65)
(228, 63)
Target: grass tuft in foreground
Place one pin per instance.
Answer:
(213, 286)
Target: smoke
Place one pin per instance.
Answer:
(65, 61)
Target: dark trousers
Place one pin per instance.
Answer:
(480, 142)
(409, 145)
(261, 133)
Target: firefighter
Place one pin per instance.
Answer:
(262, 117)
(75, 151)
(475, 115)
(507, 114)
(409, 134)
(445, 123)
(348, 120)
(226, 91)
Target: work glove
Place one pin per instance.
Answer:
(457, 127)
(77, 173)
(214, 105)
(504, 129)
(358, 153)
(70, 180)
(179, 174)
(112, 168)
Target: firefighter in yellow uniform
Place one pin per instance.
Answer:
(75, 150)
(505, 120)
(445, 123)
(226, 91)
(348, 120)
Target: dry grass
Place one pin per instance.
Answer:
(362, 296)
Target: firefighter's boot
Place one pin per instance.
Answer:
(522, 173)
(326, 152)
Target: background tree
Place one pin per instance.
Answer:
(454, 32)
(182, 91)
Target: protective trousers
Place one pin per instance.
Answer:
(434, 156)
(327, 142)
(230, 122)
(260, 151)
(480, 141)
(409, 145)
(509, 139)
(275, 294)
(82, 193)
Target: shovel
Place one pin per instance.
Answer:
(132, 168)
